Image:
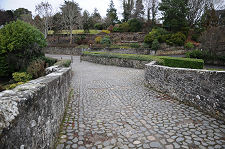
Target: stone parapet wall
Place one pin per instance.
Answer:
(115, 61)
(201, 88)
(63, 50)
(31, 114)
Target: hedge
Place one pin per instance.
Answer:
(161, 60)
(205, 55)
(183, 62)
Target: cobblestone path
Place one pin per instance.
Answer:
(113, 109)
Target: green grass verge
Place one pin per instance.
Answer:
(161, 60)
(75, 32)
(215, 69)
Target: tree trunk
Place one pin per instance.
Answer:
(46, 28)
(148, 14)
(153, 16)
(71, 35)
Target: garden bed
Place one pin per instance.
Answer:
(35, 71)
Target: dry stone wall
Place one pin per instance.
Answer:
(31, 114)
(62, 50)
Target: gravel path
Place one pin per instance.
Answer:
(112, 108)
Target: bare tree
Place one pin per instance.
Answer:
(96, 17)
(26, 18)
(218, 4)
(151, 7)
(139, 10)
(198, 7)
(71, 16)
(44, 10)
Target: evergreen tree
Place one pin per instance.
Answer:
(112, 17)
(6, 17)
(128, 7)
(57, 23)
(86, 21)
(96, 17)
(174, 14)
(21, 11)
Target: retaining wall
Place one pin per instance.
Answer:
(201, 88)
(62, 50)
(115, 61)
(31, 114)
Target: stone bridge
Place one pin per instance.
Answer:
(112, 108)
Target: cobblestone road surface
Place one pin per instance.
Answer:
(112, 108)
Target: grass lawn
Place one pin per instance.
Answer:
(215, 69)
(75, 32)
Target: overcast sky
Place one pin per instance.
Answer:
(101, 5)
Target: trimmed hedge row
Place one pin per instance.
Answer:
(183, 62)
(161, 60)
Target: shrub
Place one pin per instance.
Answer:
(48, 60)
(194, 54)
(4, 66)
(110, 28)
(124, 27)
(169, 42)
(164, 38)
(135, 45)
(21, 76)
(116, 28)
(195, 37)
(99, 26)
(155, 45)
(135, 25)
(19, 43)
(80, 39)
(204, 54)
(106, 40)
(148, 39)
(90, 42)
(36, 68)
(145, 45)
(178, 39)
(154, 34)
(98, 39)
(1, 88)
(12, 86)
(63, 63)
(106, 31)
(189, 45)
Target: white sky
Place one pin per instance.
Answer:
(101, 5)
